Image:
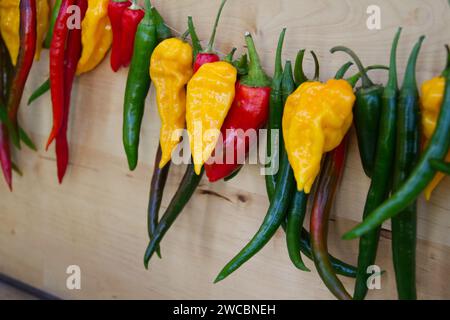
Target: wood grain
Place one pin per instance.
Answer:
(97, 218)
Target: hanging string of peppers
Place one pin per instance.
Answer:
(215, 100)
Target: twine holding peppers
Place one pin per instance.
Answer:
(198, 91)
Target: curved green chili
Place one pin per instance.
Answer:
(187, 188)
(404, 225)
(157, 186)
(381, 180)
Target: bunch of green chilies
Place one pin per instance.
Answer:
(386, 120)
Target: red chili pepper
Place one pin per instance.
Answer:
(131, 18)
(116, 9)
(332, 170)
(57, 58)
(23, 65)
(250, 110)
(72, 56)
(208, 55)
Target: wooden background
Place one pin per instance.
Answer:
(97, 218)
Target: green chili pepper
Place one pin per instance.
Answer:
(366, 114)
(138, 84)
(421, 176)
(381, 180)
(157, 186)
(272, 221)
(404, 225)
(296, 212)
(187, 188)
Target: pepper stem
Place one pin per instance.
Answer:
(393, 81)
(278, 64)
(197, 47)
(366, 82)
(410, 74)
(316, 66)
(299, 73)
(343, 70)
(256, 76)
(229, 57)
(148, 6)
(355, 78)
(287, 83)
(185, 35)
(210, 47)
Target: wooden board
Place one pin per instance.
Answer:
(97, 218)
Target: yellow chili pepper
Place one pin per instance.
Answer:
(96, 35)
(170, 71)
(10, 22)
(316, 118)
(430, 105)
(210, 94)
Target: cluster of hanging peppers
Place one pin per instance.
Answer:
(216, 99)
(22, 27)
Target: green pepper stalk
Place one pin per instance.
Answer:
(381, 180)
(340, 74)
(366, 113)
(404, 225)
(138, 84)
(299, 74)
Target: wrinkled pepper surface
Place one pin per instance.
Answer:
(430, 105)
(210, 94)
(316, 118)
(96, 35)
(10, 24)
(170, 71)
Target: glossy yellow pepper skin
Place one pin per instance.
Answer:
(96, 35)
(10, 23)
(210, 94)
(170, 71)
(316, 118)
(430, 106)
